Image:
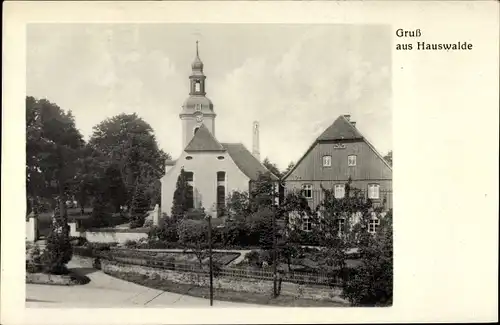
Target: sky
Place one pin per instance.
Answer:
(294, 79)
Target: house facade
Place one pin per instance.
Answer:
(341, 153)
(213, 169)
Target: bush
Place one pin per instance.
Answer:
(253, 258)
(58, 250)
(131, 244)
(165, 231)
(78, 241)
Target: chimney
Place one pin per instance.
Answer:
(353, 124)
(347, 117)
(256, 143)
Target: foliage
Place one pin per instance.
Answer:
(140, 205)
(53, 148)
(181, 197)
(388, 158)
(272, 167)
(193, 234)
(165, 231)
(58, 250)
(102, 212)
(372, 282)
(263, 193)
(132, 152)
(289, 168)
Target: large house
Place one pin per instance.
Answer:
(341, 153)
(213, 169)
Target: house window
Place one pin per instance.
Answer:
(373, 225)
(327, 161)
(307, 191)
(306, 224)
(341, 226)
(351, 160)
(374, 191)
(339, 191)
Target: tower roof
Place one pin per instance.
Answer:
(197, 65)
(203, 140)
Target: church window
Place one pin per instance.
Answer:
(220, 157)
(197, 107)
(190, 189)
(189, 157)
(197, 86)
(196, 129)
(221, 192)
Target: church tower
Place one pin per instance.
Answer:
(197, 109)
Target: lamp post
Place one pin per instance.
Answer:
(210, 255)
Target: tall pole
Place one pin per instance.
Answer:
(210, 258)
(275, 284)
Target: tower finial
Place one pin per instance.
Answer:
(197, 48)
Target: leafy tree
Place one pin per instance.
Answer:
(272, 167)
(165, 231)
(289, 168)
(129, 143)
(182, 194)
(53, 148)
(263, 193)
(140, 206)
(388, 158)
(372, 282)
(193, 234)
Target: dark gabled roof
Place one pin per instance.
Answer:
(245, 161)
(341, 129)
(203, 140)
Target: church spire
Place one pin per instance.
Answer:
(197, 65)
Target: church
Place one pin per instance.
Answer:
(213, 169)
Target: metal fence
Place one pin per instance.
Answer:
(324, 279)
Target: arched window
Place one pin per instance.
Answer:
(196, 129)
(197, 86)
(221, 192)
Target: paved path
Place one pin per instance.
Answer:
(106, 292)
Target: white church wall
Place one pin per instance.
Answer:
(204, 166)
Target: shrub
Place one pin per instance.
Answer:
(58, 250)
(253, 258)
(78, 241)
(131, 244)
(165, 231)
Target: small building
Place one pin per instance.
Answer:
(341, 153)
(213, 169)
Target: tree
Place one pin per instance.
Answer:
(372, 282)
(182, 194)
(289, 168)
(193, 234)
(53, 147)
(263, 193)
(272, 167)
(388, 158)
(129, 143)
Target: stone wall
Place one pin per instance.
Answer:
(265, 287)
